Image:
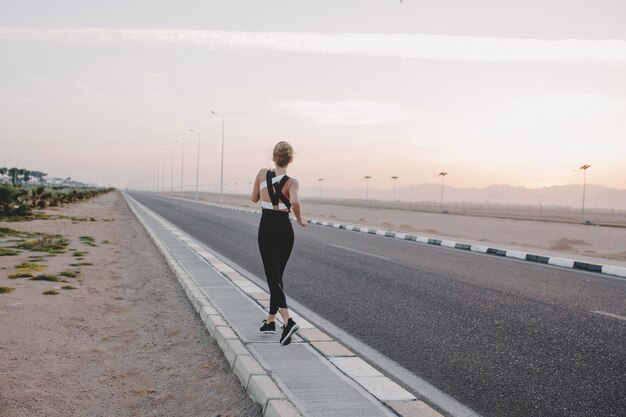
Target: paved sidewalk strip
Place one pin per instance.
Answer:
(610, 270)
(314, 376)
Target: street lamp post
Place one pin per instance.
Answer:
(171, 169)
(320, 181)
(443, 174)
(162, 173)
(182, 160)
(156, 176)
(367, 179)
(197, 162)
(152, 177)
(584, 168)
(394, 178)
(149, 176)
(222, 164)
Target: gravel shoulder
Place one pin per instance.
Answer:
(125, 342)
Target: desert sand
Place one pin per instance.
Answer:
(125, 342)
(597, 244)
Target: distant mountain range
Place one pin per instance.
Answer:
(597, 196)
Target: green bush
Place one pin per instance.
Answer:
(19, 200)
(46, 277)
(45, 243)
(88, 240)
(13, 201)
(21, 275)
(8, 252)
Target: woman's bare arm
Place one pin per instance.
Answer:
(294, 198)
(256, 193)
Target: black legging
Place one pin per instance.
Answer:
(275, 244)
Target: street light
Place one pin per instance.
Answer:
(162, 173)
(171, 169)
(394, 178)
(443, 174)
(320, 182)
(152, 176)
(584, 168)
(149, 171)
(367, 179)
(156, 171)
(197, 162)
(222, 164)
(182, 160)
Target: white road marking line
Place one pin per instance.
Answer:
(359, 251)
(604, 313)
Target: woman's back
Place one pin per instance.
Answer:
(276, 195)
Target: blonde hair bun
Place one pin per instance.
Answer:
(283, 154)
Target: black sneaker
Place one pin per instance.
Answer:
(269, 328)
(288, 331)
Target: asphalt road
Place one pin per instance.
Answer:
(504, 337)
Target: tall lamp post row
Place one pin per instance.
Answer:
(442, 174)
(197, 162)
(367, 179)
(157, 168)
(222, 163)
(162, 173)
(394, 178)
(171, 169)
(182, 163)
(153, 170)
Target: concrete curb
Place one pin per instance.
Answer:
(612, 270)
(260, 386)
(262, 389)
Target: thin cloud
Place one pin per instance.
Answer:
(420, 46)
(345, 112)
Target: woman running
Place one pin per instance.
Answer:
(278, 194)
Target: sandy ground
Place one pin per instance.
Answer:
(126, 342)
(600, 244)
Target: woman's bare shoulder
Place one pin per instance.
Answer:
(262, 172)
(293, 181)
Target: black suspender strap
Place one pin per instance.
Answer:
(279, 192)
(270, 188)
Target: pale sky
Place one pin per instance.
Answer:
(493, 92)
